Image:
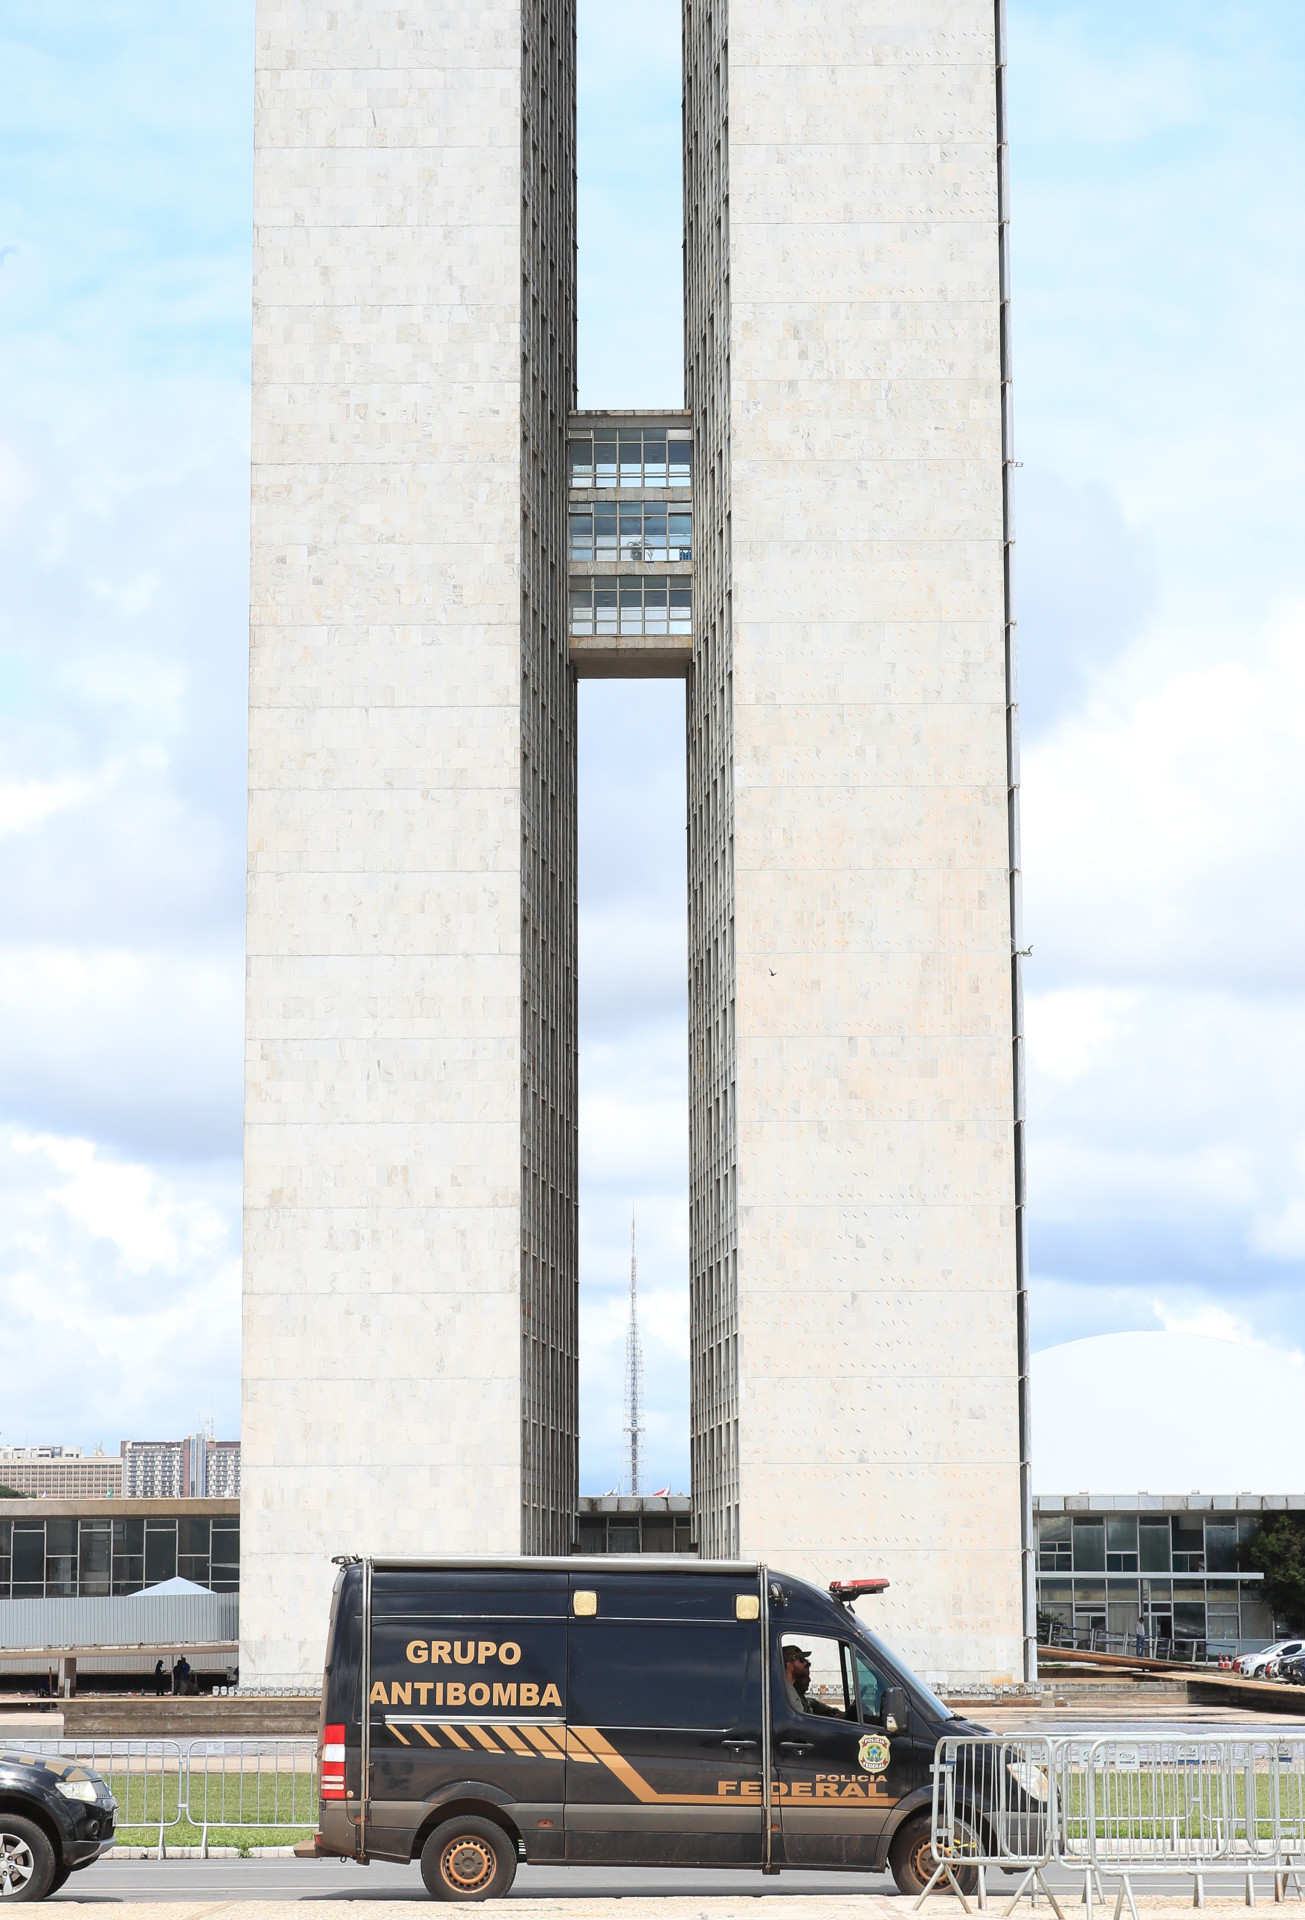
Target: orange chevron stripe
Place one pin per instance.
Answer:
(618, 1764)
(575, 1749)
(429, 1738)
(479, 1733)
(544, 1742)
(452, 1735)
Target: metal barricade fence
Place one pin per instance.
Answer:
(993, 1806)
(231, 1783)
(251, 1783)
(1273, 1796)
(1147, 1803)
(146, 1777)
(1123, 1805)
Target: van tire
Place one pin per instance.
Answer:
(911, 1859)
(27, 1862)
(468, 1859)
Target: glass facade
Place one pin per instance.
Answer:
(631, 530)
(630, 508)
(637, 457)
(1096, 1576)
(635, 1533)
(631, 604)
(45, 1559)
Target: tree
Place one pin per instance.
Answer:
(1277, 1550)
(12, 1493)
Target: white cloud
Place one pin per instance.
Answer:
(1161, 842)
(119, 1293)
(1278, 1231)
(24, 804)
(143, 1046)
(1219, 1323)
(1066, 1030)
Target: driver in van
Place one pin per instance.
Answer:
(797, 1678)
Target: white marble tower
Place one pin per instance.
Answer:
(853, 894)
(410, 1138)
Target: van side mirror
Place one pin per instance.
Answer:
(896, 1710)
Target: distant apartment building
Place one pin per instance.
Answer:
(195, 1468)
(61, 1473)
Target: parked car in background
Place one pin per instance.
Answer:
(1255, 1665)
(56, 1816)
(1291, 1668)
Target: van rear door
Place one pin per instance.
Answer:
(468, 1671)
(664, 1720)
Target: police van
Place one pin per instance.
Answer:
(609, 1711)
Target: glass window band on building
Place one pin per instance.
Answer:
(631, 604)
(635, 1533)
(632, 531)
(49, 1559)
(630, 457)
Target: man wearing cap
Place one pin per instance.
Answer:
(797, 1678)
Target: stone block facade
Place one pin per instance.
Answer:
(856, 1362)
(410, 1149)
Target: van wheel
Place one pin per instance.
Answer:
(911, 1859)
(468, 1859)
(26, 1859)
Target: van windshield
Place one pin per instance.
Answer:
(894, 1661)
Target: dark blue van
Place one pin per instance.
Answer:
(633, 1712)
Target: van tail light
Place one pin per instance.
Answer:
(331, 1776)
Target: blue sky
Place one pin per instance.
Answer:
(1158, 171)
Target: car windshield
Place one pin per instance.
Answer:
(892, 1660)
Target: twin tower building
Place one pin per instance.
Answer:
(819, 545)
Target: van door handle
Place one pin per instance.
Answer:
(740, 1746)
(795, 1746)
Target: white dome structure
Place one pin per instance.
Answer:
(1126, 1413)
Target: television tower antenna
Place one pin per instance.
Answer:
(634, 1426)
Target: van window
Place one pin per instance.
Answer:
(870, 1688)
(634, 1674)
(815, 1676)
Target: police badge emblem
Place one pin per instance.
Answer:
(874, 1753)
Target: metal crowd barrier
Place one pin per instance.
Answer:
(1127, 1805)
(993, 1806)
(234, 1783)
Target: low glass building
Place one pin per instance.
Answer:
(635, 1523)
(92, 1549)
(1164, 1566)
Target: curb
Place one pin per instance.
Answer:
(198, 1853)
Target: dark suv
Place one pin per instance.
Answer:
(55, 1816)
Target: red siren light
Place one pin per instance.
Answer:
(849, 1590)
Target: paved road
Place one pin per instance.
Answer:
(115, 1882)
(131, 1880)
